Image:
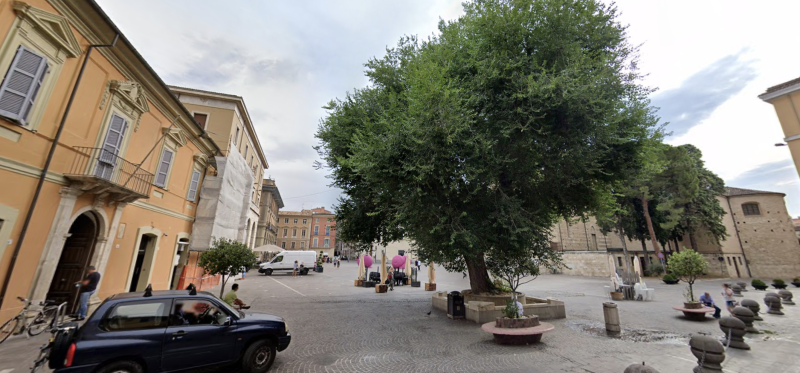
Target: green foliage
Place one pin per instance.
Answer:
(669, 277)
(757, 282)
(778, 281)
(656, 269)
(796, 279)
(687, 265)
(473, 143)
(320, 259)
(226, 258)
(502, 286)
(511, 310)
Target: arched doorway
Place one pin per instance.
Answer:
(74, 259)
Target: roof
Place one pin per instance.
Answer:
(733, 192)
(304, 212)
(780, 89)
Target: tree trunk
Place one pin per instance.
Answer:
(650, 229)
(646, 256)
(693, 241)
(478, 275)
(222, 288)
(627, 277)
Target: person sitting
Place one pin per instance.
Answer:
(706, 300)
(233, 299)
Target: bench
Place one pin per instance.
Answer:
(694, 314)
(517, 336)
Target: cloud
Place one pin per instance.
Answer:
(703, 92)
(780, 176)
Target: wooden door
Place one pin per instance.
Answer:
(73, 262)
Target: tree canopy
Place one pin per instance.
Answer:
(226, 258)
(473, 143)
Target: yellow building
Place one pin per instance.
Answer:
(785, 97)
(228, 123)
(294, 229)
(128, 160)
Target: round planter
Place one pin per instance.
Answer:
(776, 286)
(692, 305)
(671, 282)
(760, 287)
(523, 322)
(796, 284)
(498, 299)
(617, 295)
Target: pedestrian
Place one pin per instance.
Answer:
(419, 265)
(88, 287)
(294, 273)
(727, 294)
(233, 299)
(706, 300)
(391, 281)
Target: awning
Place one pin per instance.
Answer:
(268, 249)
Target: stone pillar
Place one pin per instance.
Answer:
(709, 353)
(734, 330)
(101, 259)
(611, 316)
(54, 245)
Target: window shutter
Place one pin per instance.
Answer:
(21, 84)
(111, 147)
(193, 186)
(163, 168)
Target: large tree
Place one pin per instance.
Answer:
(477, 140)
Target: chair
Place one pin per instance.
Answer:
(650, 293)
(638, 293)
(607, 290)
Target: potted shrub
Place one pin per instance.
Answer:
(688, 265)
(796, 282)
(670, 279)
(656, 269)
(758, 284)
(779, 283)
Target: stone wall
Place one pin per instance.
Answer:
(586, 263)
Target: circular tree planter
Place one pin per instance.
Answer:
(779, 286)
(760, 287)
(525, 330)
(671, 282)
(692, 305)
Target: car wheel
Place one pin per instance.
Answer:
(268, 271)
(125, 366)
(60, 346)
(258, 357)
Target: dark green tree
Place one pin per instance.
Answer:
(473, 143)
(226, 258)
(702, 214)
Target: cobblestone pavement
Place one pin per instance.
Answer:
(337, 327)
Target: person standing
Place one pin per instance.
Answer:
(419, 265)
(88, 287)
(294, 273)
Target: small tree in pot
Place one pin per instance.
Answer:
(688, 265)
(226, 258)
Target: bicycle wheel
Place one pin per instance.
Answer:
(8, 328)
(41, 322)
(44, 355)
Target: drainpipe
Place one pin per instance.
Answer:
(23, 232)
(736, 228)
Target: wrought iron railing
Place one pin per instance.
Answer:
(106, 165)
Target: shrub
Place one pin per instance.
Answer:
(778, 281)
(757, 282)
(511, 311)
(687, 265)
(502, 286)
(656, 269)
(669, 277)
(796, 279)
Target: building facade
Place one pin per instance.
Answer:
(271, 203)
(228, 123)
(294, 229)
(785, 98)
(323, 231)
(120, 190)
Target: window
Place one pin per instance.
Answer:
(245, 152)
(317, 221)
(163, 168)
(295, 221)
(329, 220)
(316, 242)
(326, 243)
(236, 137)
(294, 232)
(286, 220)
(21, 85)
(137, 315)
(278, 258)
(201, 119)
(196, 312)
(305, 221)
(316, 229)
(283, 244)
(751, 209)
(729, 261)
(740, 260)
(328, 230)
(619, 260)
(285, 232)
(304, 233)
(594, 241)
(292, 245)
(302, 245)
(195, 181)
(108, 161)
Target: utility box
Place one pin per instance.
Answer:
(455, 305)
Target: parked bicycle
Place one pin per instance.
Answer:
(45, 319)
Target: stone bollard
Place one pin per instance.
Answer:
(753, 306)
(639, 368)
(709, 353)
(742, 285)
(786, 297)
(611, 315)
(747, 316)
(774, 304)
(734, 330)
(774, 294)
(737, 291)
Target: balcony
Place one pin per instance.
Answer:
(100, 171)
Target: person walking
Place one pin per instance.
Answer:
(727, 294)
(294, 273)
(419, 265)
(391, 281)
(88, 287)
(706, 300)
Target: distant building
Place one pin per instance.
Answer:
(294, 229)
(323, 231)
(271, 203)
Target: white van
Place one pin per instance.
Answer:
(284, 261)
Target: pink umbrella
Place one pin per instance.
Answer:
(367, 260)
(399, 262)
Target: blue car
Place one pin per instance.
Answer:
(169, 331)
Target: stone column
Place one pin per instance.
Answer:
(100, 259)
(59, 232)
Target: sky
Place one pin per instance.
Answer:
(709, 60)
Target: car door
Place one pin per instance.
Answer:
(197, 335)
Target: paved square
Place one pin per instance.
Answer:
(337, 327)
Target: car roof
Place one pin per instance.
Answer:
(158, 294)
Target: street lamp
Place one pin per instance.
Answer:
(780, 144)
